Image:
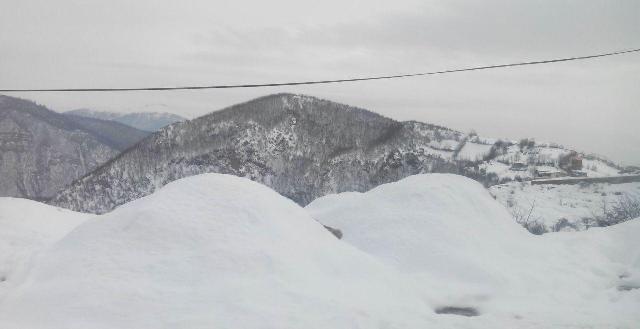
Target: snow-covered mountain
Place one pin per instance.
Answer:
(303, 147)
(218, 251)
(41, 150)
(147, 121)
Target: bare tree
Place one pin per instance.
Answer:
(623, 209)
(524, 218)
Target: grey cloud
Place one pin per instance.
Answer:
(590, 105)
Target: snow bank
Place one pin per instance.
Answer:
(26, 228)
(462, 249)
(210, 251)
(218, 251)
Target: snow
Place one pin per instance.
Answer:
(461, 248)
(503, 171)
(547, 156)
(598, 168)
(474, 151)
(444, 144)
(549, 152)
(219, 251)
(209, 251)
(27, 228)
(551, 203)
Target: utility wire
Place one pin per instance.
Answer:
(257, 85)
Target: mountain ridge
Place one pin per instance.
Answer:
(146, 121)
(42, 150)
(301, 146)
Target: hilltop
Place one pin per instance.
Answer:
(305, 147)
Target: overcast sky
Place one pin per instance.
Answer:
(593, 105)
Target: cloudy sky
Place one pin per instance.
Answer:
(592, 105)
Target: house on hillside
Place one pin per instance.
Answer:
(571, 161)
(576, 162)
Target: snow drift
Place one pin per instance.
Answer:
(209, 251)
(218, 251)
(463, 250)
(26, 229)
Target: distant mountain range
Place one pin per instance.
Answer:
(41, 150)
(147, 121)
(303, 147)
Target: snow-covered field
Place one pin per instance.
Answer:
(218, 251)
(474, 151)
(548, 204)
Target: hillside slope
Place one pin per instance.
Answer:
(572, 207)
(117, 135)
(41, 151)
(302, 147)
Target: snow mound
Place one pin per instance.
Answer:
(421, 219)
(464, 251)
(26, 228)
(210, 251)
(218, 251)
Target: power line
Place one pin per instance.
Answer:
(316, 82)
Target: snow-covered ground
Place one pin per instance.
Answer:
(462, 249)
(26, 228)
(474, 151)
(598, 168)
(209, 251)
(503, 171)
(218, 251)
(549, 204)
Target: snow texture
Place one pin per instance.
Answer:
(27, 228)
(218, 251)
(462, 249)
(209, 251)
